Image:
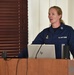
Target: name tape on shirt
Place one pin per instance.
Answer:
(62, 37)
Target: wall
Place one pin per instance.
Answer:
(37, 17)
(71, 13)
(33, 18)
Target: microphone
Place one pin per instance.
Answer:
(38, 50)
(66, 53)
(4, 55)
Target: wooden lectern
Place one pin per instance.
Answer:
(36, 67)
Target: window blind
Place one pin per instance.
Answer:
(13, 26)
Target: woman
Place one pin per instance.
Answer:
(58, 33)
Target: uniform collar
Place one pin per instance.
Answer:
(60, 28)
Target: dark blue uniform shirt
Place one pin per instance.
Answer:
(63, 35)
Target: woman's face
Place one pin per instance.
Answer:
(53, 16)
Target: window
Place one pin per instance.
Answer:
(13, 26)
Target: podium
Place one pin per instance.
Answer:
(36, 66)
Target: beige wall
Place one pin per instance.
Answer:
(37, 17)
(71, 13)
